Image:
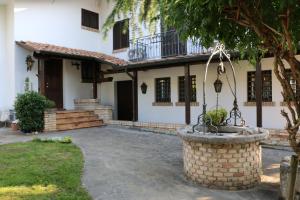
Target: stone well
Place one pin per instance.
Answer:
(230, 161)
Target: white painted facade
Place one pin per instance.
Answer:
(7, 91)
(59, 22)
(176, 114)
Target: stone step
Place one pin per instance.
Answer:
(64, 115)
(72, 111)
(76, 119)
(78, 125)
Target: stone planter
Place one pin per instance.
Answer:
(284, 178)
(14, 126)
(50, 120)
(230, 161)
(103, 112)
(86, 104)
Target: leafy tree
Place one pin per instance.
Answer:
(254, 28)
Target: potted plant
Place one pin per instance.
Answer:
(217, 116)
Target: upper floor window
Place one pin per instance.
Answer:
(162, 90)
(121, 34)
(181, 87)
(89, 19)
(266, 86)
(294, 84)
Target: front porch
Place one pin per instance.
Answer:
(87, 113)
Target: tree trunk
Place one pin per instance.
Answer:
(289, 96)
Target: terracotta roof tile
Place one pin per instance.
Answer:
(48, 48)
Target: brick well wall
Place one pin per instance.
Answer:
(223, 166)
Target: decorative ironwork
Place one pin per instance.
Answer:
(266, 86)
(235, 114)
(163, 89)
(204, 122)
(29, 62)
(161, 45)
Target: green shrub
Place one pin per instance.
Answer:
(30, 108)
(217, 116)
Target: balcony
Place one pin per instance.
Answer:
(163, 45)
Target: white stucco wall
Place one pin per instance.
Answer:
(59, 22)
(21, 71)
(176, 114)
(108, 94)
(55, 22)
(3, 61)
(73, 88)
(7, 91)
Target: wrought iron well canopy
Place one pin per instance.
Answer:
(204, 122)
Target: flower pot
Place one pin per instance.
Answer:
(14, 127)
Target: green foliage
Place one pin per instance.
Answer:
(27, 84)
(30, 108)
(41, 171)
(222, 20)
(217, 116)
(64, 140)
(123, 9)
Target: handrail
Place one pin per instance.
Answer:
(161, 45)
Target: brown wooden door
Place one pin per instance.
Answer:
(54, 82)
(125, 104)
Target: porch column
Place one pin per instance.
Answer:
(95, 81)
(135, 96)
(258, 92)
(187, 90)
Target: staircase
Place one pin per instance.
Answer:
(76, 119)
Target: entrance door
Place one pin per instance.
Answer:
(54, 82)
(125, 105)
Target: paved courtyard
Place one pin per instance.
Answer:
(125, 164)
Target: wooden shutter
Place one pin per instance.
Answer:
(120, 39)
(94, 20)
(116, 36)
(125, 36)
(89, 19)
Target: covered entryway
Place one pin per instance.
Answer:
(54, 81)
(124, 100)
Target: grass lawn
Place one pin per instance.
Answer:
(38, 171)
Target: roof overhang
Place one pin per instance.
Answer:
(176, 61)
(42, 50)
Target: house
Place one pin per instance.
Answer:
(142, 79)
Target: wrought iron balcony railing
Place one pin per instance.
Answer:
(161, 45)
